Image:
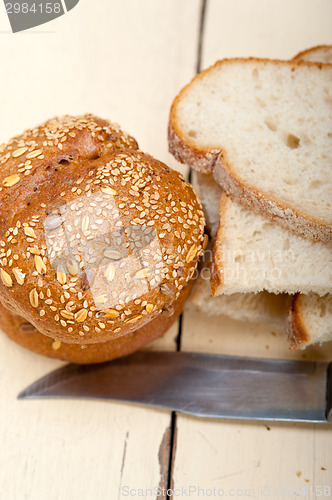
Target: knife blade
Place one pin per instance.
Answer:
(204, 385)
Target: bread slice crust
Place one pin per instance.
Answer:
(296, 331)
(317, 53)
(217, 276)
(251, 253)
(207, 160)
(268, 205)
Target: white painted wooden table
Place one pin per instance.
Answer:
(126, 60)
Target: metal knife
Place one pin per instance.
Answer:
(204, 385)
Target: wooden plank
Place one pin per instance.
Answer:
(124, 61)
(227, 336)
(242, 456)
(234, 454)
(259, 28)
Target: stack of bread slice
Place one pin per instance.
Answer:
(259, 135)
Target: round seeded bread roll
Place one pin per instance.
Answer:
(26, 335)
(97, 238)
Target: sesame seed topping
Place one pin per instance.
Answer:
(191, 254)
(101, 299)
(112, 254)
(34, 154)
(33, 297)
(61, 275)
(39, 264)
(67, 314)
(11, 180)
(108, 190)
(56, 345)
(85, 223)
(120, 210)
(19, 152)
(34, 251)
(72, 267)
(134, 318)
(142, 273)
(52, 222)
(28, 231)
(81, 315)
(5, 278)
(109, 313)
(19, 275)
(110, 272)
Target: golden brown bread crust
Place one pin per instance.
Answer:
(37, 163)
(201, 160)
(296, 332)
(183, 148)
(99, 237)
(217, 277)
(215, 161)
(302, 56)
(267, 205)
(26, 335)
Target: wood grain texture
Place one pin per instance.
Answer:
(124, 61)
(234, 454)
(243, 456)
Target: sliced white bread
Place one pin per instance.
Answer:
(310, 316)
(209, 193)
(309, 320)
(264, 129)
(251, 254)
(260, 307)
(321, 53)
(263, 307)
